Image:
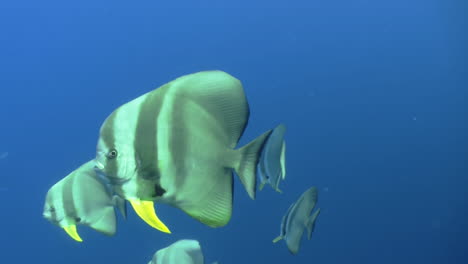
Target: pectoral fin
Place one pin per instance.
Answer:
(145, 210)
(71, 231)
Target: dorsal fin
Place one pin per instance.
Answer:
(221, 94)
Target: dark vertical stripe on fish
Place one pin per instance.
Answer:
(67, 196)
(108, 136)
(145, 142)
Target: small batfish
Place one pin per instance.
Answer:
(298, 218)
(271, 168)
(82, 199)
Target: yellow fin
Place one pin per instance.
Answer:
(145, 210)
(260, 187)
(71, 231)
(277, 239)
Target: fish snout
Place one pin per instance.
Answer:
(47, 215)
(99, 163)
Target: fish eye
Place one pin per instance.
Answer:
(112, 154)
(52, 209)
(78, 219)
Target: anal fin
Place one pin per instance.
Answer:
(214, 208)
(107, 223)
(310, 225)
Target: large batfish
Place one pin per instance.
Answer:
(298, 218)
(82, 199)
(175, 145)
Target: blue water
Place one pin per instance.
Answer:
(374, 95)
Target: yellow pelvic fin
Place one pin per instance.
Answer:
(278, 190)
(71, 231)
(145, 210)
(277, 239)
(260, 187)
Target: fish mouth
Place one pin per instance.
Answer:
(115, 181)
(99, 165)
(48, 217)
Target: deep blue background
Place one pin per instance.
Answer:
(374, 95)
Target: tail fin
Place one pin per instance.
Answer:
(246, 167)
(310, 224)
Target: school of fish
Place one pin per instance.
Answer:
(178, 145)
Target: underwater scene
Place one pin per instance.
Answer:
(226, 132)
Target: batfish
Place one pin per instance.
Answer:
(271, 168)
(82, 199)
(298, 218)
(176, 145)
(185, 251)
